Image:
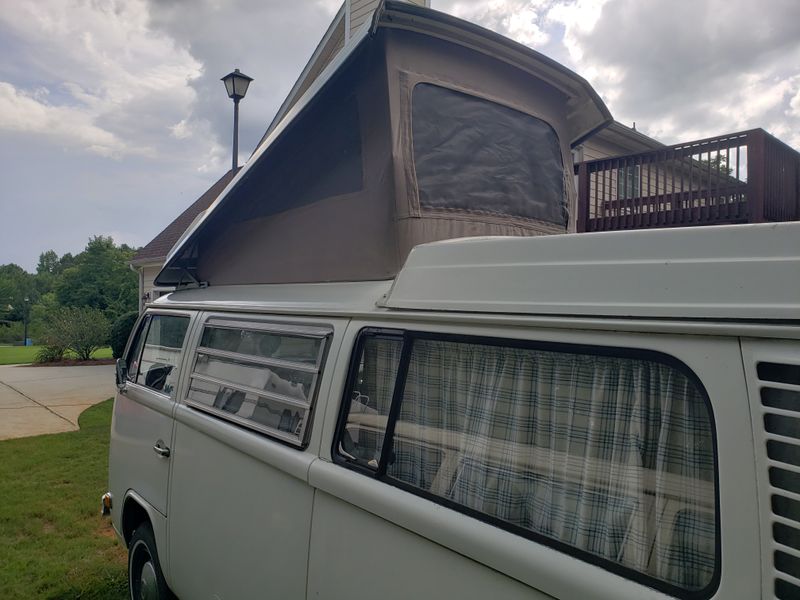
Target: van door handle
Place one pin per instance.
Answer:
(161, 449)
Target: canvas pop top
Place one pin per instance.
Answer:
(343, 400)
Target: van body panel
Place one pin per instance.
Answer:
(236, 488)
(142, 417)
(715, 361)
(157, 520)
(243, 525)
(356, 555)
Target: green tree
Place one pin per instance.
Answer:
(46, 271)
(716, 163)
(48, 263)
(16, 284)
(99, 277)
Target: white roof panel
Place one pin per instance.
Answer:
(722, 272)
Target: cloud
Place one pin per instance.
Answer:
(684, 69)
(94, 76)
(269, 40)
(29, 113)
(520, 20)
(577, 18)
(680, 69)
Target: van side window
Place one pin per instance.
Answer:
(135, 353)
(259, 375)
(603, 454)
(161, 356)
(370, 399)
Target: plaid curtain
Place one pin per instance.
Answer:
(613, 456)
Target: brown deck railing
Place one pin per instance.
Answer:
(746, 177)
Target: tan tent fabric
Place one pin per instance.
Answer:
(335, 197)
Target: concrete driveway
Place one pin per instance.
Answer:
(37, 400)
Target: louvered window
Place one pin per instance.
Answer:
(263, 376)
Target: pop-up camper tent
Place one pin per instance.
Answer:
(424, 128)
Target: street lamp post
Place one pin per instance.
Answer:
(236, 84)
(26, 315)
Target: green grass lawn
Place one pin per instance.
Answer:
(53, 541)
(15, 355)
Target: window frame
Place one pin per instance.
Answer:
(379, 474)
(241, 322)
(142, 327)
(629, 179)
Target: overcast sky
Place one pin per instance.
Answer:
(113, 118)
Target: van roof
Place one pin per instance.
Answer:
(739, 272)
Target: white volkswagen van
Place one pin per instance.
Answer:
(338, 404)
(582, 424)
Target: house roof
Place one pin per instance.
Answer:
(625, 136)
(157, 250)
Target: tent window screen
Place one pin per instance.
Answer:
(319, 158)
(474, 155)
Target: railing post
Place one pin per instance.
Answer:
(583, 198)
(756, 175)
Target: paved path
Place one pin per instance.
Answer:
(37, 400)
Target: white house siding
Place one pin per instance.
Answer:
(147, 288)
(358, 11)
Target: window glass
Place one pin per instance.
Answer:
(161, 355)
(612, 456)
(370, 400)
(291, 383)
(260, 378)
(136, 350)
(263, 343)
(628, 178)
(471, 154)
(249, 405)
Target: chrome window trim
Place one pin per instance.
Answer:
(251, 390)
(261, 360)
(299, 330)
(144, 321)
(248, 424)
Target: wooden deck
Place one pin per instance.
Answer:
(745, 177)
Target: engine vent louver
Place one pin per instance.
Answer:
(780, 399)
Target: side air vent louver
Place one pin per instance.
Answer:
(780, 399)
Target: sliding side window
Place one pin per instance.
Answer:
(603, 454)
(262, 376)
(373, 379)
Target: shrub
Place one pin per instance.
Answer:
(81, 330)
(50, 353)
(120, 331)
